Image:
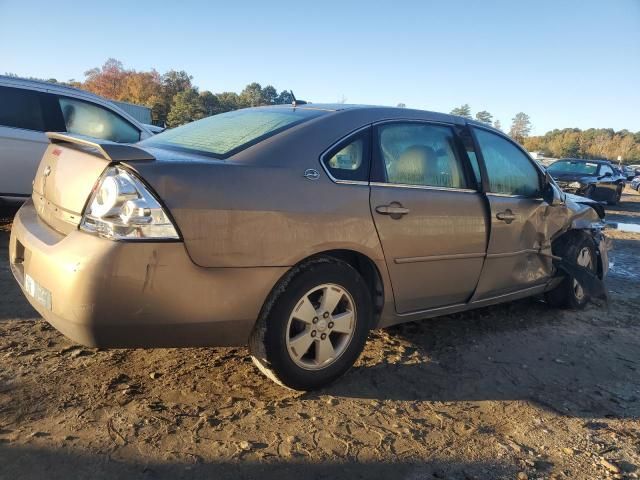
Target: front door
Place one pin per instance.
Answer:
(518, 223)
(430, 220)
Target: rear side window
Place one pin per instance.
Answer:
(227, 133)
(420, 154)
(21, 108)
(84, 118)
(350, 159)
(509, 170)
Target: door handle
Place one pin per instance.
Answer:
(395, 210)
(507, 216)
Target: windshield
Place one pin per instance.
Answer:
(228, 133)
(562, 167)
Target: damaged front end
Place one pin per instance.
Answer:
(580, 214)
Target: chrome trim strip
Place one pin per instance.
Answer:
(541, 286)
(435, 258)
(422, 187)
(493, 194)
(331, 147)
(512, 254)
(429, 310)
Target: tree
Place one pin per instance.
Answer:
(251, 96)
(210, 103)
(228, 101)
(285, 98)
(462, 111)
(186, 107)
(497, 125)
(106, 81)
(520, 127)
(484, 117)
(269, 95)
(145, 88)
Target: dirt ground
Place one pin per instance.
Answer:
(512, 391)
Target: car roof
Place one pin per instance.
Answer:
(44, 86)
(391, 113)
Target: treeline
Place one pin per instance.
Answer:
(172, 97)
(596, 143)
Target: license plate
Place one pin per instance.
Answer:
(37, 291)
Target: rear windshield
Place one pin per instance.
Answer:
(227, 133)
(567, 166)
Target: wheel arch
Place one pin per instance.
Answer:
(362, 263)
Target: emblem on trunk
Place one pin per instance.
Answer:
(311, 174)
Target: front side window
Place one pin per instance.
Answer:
(420, 154)
(83, 118)
(604, 169)
(509, 170)
(20, 108)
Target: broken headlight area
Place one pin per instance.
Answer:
(121, 207)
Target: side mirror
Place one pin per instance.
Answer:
(551, 193)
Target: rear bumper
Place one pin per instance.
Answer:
(126, 294)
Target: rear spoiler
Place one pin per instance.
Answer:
(111, 151)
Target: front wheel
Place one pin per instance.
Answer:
(315, 327)
(617, 196)
(580, 249)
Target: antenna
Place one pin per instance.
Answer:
(296, 102)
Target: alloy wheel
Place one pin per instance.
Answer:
(321, 326)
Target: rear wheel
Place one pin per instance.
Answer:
(316, 325)
(578, 248)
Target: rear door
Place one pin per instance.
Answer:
(514, 192)
(429, 216)
(24, 117)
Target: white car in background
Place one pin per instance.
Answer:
(28, 108)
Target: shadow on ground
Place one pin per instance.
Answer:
(31, 463)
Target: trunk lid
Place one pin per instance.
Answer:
(68, 172)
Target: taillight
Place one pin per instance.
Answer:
(122, 208)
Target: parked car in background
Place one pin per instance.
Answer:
(295, 230)
(633, 170)
(635, 184)
(596, 179)
(28, 108)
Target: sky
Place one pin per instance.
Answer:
(566, 63)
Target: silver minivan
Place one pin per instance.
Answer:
(28, 108)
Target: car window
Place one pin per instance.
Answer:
(227, 133)
(420, 154)
(21, 108)
(84, 118)
(604, 169)
(350, 159)
(568, 167)
(509, 170)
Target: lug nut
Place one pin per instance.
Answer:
(313, 333)
(330, 324)
(325, 314)
(315, 320)
(323, 336)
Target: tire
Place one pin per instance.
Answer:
(588, 193)
(286, 325)
(616, 199)
(572, 247)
